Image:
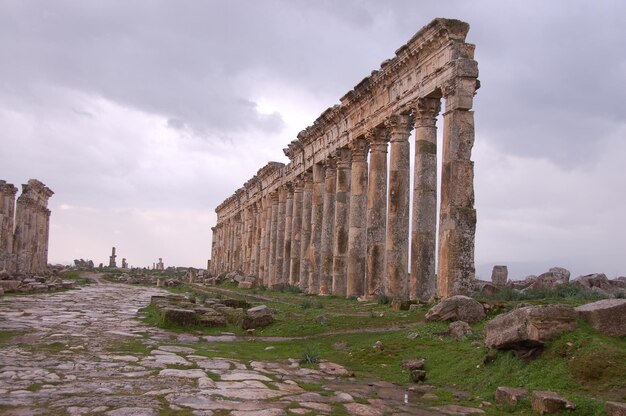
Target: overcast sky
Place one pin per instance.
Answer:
(143, 116)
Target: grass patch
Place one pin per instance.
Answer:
(130, 347)
(75, 276)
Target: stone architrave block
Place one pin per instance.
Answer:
(457, 308)
(528, 326)
(607, 316)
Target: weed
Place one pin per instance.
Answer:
(383, 300)
(305, 304)
(310, 357)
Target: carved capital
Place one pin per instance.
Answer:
(359, 148)
(274, 197)
(378, 137)
(400, 126)
(425, 111)
(344, 158)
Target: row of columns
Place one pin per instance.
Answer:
(343, 228)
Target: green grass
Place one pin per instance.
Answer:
(582, 365)
(75, 276)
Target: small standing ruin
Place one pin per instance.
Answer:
(24, 227)
(335, 221)
(112, 262)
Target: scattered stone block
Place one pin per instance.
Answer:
(257, 317)
(418, 375)
(179, 316)
(529, 326)
(607, 316)
(453, 409)
(549, 402)
(457, 308)
(400, 305)
(459, 330)
(10, 285)
(413, 364)
(510, 395)
(615, 409)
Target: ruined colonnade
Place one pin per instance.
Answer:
(335, 219)
(24, 230)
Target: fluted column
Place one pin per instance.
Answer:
(296, 234)
(357, 235)
(7, 214)
(342, 222)
(457, 217)
(305, 233)
(423, 282)
(257, 238)
(273, 239)
(280, 234)
(328, 225)
(245, 236)
(317, 214)
(267, 202)
(376, 211)
(398, 210)
(287, 239)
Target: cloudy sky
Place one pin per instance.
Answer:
(143, 116)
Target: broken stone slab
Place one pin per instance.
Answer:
(615, 408)
(529, 326)
(510, 395)
(457, 308)
(10, 285)
(552, 278)
(550, 402)
(607, 316)
(459, 330)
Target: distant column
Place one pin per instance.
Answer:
(457, 216)
(273, 239)
(305, 238)
(357, 237)
(257, 238)
(398, 210)
(280, 234)
(423, 282)
(317, 213)
(376, 211)
(7, 217)
(267, 203)
(342, 222)
(287, 240)
(328, 223)
(296, 234)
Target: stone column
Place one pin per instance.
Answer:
(296, 234)
(214, 248)
(305, 237)
(357, 236)
(280, 234)
(256, 251)
(457, 216)
(273, 239)
(342, 222)
(267, 208)
(398, 210)
(376, 212)
(328, 223)
(317, 213)
(287, 240)
(7, 216)
(423, 282)
(245, 238)
(264, 240)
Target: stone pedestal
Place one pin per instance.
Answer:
(376, 212)
(357, 235)
(499, 275)
(423, 282)
(398, 209)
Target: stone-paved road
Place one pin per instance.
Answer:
(63, 362)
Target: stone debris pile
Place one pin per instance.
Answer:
(211, 312)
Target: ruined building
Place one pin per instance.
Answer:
(24, 230)
(335, 219)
